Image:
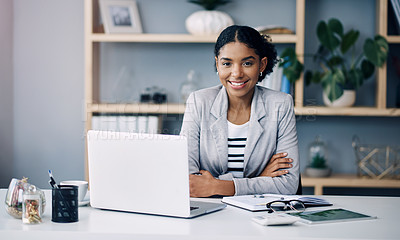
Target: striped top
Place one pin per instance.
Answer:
(237, 136)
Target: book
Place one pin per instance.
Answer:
(259, 202)
(274, 80)
(152, 126)
(330, 215)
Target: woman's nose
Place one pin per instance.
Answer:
(237, 71)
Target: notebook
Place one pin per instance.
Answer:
(259, 202)
(142, 173)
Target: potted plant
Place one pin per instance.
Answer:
(338, 71)
(317, 166)
(208, 21)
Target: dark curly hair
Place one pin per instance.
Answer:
(253, 39)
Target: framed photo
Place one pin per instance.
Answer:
(120, 16)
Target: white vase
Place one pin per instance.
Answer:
(346, 100)
(207, 22)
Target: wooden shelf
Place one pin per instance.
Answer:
(170, 108)
(350, 111)
(175, 38)
(393, 39)
(347, 180)
(176, 108)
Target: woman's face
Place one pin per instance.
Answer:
(238, 69)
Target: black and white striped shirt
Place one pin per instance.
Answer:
(237, 136)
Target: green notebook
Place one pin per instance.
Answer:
(331, 215)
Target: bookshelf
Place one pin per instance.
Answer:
(94, 36)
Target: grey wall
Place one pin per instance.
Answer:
(48, 77)
(48, 84)
(6, 92)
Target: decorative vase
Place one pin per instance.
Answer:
(346, 100)
(208, 22)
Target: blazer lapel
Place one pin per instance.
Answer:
(219, 129)
(255, 129)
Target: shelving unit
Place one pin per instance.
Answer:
(94, 37)
(347, 181)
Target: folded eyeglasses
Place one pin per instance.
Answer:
(283, 205)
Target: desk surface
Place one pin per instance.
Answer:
(229, 223)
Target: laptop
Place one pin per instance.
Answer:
(142, 173)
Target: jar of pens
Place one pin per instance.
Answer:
(25, 201)
(64, 199)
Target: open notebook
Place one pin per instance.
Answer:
(259, 202)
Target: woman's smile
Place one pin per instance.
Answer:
(238, 85)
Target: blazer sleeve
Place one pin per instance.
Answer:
(191, 130)
(286, 141)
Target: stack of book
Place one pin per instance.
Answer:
(277, 81)
(126, 123)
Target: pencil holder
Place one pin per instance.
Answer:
(65, 204)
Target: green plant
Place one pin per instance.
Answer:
(337, 73)
(210, 4)
(318, 162)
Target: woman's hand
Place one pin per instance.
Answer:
(202, 185)
(277, 162)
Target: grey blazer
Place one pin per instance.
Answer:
(272, 130)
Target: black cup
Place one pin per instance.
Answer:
(65, 204)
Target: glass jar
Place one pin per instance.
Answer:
(317, 154)
(31, 206)
(14, 197)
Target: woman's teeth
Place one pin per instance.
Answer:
(238, 84)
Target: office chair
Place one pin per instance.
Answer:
(300, 187)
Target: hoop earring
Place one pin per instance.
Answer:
(261, 74)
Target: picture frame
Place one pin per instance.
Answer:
(120, 16)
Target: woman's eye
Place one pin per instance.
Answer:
(247, 64)
(227, 64)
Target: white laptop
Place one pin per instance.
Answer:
(142, 173)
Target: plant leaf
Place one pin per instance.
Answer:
(292, 68)
(376, 50)
(367, 68)
(331, 83)
(355, 77)
(349, 39)
(336, 26)
(334, 61)
(326, 36)
(307, 77)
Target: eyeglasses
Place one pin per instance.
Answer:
(290, 205)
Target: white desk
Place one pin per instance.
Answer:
(230, 223)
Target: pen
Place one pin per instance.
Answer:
(52, 182)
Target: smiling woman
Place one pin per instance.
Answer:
(242, 137)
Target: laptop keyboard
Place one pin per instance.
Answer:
(193, 208)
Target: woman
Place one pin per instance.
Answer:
(241, 137)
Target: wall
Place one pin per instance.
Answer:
(6, 92)
(48, 84)
(48, 77)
